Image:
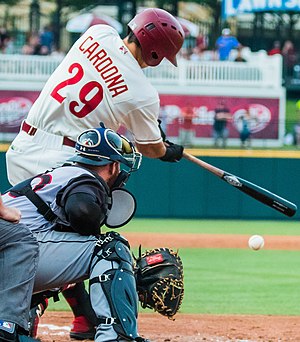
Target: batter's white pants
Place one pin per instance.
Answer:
(29, 155)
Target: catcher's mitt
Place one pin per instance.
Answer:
(159, 277)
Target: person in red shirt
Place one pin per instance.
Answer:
(186, 133)
(276, 50)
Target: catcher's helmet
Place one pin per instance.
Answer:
(159, 34)
(102, 146)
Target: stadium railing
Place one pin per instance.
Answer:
(262, 71)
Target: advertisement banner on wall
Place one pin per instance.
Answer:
(181, 113)
(14, 107)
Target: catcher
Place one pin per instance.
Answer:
(63, 209)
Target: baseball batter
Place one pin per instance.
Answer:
(99, 80)
(63, 209)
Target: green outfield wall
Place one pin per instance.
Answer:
(184, 190)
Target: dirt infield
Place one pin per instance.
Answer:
(55, 326)
(148, 240)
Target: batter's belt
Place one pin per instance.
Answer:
(30, 130)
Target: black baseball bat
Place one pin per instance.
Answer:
(260, 194)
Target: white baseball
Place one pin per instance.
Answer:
(256, 242)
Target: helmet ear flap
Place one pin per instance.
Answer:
(173, 61)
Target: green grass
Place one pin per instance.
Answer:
(231, 281)
(183, 226)
(234, 281)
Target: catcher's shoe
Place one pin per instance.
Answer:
(141, 339)
(34, 317)
(82, 329)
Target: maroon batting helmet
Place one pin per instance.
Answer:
(159, 34)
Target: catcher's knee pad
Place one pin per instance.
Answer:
(118, 284)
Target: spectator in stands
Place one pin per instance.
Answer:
(220, 130)
(239, 57)
(3, 37)
(27, 49)
(276, 48)
(201, 42)
(209, 55)
(47, 39)
(56, 52)
(8, 46)
(196, 54)
(225, 43)
(33, 45)
(44, 51)
(289, 57)
(184, 53)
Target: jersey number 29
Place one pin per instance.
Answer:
(90, 95)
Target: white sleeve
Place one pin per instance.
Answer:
(142, 122)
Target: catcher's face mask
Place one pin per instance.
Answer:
(122, 209)
(102, 146)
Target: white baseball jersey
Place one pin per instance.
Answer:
(47, 187)
(98, 80)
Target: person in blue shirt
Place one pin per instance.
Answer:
(47, 39)
(225, 43)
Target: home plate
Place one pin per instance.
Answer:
(55, 329)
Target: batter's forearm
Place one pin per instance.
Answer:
(157, 150)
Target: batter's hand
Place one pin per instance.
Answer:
(173, 152)
(8, 213)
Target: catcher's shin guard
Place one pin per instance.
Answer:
(23, 338)
(113, 263)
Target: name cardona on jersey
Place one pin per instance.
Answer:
(104, 66)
